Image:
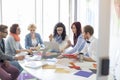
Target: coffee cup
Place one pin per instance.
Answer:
(80, 57)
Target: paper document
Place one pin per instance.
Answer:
(49, 66)
(33, 64)
(33, 58)
(61, 70)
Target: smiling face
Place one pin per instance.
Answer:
(18, 30)
(32, 30)
(59, 30)
(85, 35)
(4, 33)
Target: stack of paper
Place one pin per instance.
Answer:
(33, 64)
(33, 58)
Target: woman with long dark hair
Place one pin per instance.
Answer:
(59, 35)
(76, 29)
(79, 41)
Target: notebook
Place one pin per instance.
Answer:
(84, 73)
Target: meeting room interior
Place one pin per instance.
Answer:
(53, 39)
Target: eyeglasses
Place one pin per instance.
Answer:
(32, 30)
(59, 29)
(5, 32)
(18, 29)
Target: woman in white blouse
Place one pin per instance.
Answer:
(59, 35)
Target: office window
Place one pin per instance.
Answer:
(46, 13)
(87, 13)
(64, 13)
(54, 11)
(114, 31)
(18, 11)
(114, 28)
(50, 17)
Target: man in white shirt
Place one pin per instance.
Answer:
(88, 32)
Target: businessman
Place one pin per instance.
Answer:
(7, 71)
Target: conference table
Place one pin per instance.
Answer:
(58, 69)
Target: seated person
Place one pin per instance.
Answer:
(7, 71)
(13, 46)
(76, 29)
(59, 35)
(33, 39)
(88, 32)
(79, 41)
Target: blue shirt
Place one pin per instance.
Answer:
(79, 45)
(28, 40)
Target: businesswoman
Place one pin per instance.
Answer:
(79, 41)
(13, 46)
(59, 35)
(33, 39)
(7, 71)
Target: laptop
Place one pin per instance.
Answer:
(51, 46)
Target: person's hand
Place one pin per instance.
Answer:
(62, 50)
(18, 51)
(33, 48)
(69, 42)
(6, 63)
(50, 37)
(29, 51)
(76, 53)
(37, 48)
(48, 54)
(19, 57)
(60, 56)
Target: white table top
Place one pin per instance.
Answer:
(50, 74)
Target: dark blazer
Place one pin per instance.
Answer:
(2, 45)
(2, 53)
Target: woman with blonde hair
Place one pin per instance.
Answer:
(33, 39)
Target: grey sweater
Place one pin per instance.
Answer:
(11, 46)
